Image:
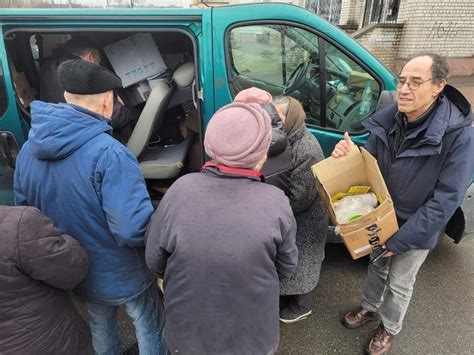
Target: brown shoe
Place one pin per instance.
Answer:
(358, 317)
(380, 342)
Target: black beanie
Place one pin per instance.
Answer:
(80, 77)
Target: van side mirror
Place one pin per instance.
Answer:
(8, 149)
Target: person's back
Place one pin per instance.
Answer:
(37, 265)
(221, 285)
(70, 186)
(222, 239)
(91, 187)
(50, 89)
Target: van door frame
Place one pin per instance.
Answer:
(72, 26)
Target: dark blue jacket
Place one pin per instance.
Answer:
(90, 185)
(429, 176)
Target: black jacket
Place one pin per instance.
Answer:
(277, 168)
(37, 265)
(428, 176)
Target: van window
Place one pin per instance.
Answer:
(265, 53)
(352, 93)
(287, 60)
(3, 93)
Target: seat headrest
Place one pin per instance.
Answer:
(184, 75)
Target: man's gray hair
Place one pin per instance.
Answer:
(439, 68)
(80, 47)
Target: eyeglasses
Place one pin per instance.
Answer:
(412, 85)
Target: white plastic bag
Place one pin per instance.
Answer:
(350, 207)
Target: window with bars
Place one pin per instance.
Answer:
(381, 11)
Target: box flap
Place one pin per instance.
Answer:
(339, 174)
(326, 199)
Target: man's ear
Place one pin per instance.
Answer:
(438, 87)
(91, 57)
(87, 56)
(108, 104)
(109, 99)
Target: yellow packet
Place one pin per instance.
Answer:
(353, 190)
(379, 198)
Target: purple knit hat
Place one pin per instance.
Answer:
(238, 135)
(254, 95)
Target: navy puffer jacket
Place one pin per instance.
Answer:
(429, 176)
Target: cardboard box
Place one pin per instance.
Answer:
(156, 80)
(135, 58)
(138, 93)
(192, 121)
(194, 155)
(23, 89)
(361, 80)
(338, 175)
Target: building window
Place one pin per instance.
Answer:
(381, 11)
(327, 9)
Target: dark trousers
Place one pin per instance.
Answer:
(299, 303)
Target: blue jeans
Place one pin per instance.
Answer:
(147, 317)
(390, 286)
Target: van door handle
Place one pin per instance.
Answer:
(9, 148)
(197, 94)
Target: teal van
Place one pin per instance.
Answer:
(212, 54)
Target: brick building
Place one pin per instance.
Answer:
(207, 3)
(395, 29)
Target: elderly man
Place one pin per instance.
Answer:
(222, 239)
(91, 187)
(124, 117)
(424, 146)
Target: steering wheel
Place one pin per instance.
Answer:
(297, 78)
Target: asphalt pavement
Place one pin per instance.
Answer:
(440, 319)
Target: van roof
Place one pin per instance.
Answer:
(85, 13)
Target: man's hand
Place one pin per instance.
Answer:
(343, 147)
(388, 254)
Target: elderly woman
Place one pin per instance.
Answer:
(298, 292)
(223, 239)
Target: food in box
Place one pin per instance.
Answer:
(357, 168)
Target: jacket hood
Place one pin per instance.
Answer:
(57, 130)
(453, 112)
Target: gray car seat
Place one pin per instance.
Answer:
(160, 162)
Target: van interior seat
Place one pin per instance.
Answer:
(160, 162)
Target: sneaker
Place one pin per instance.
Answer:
(288, 316)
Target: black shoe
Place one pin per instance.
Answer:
(289, 316)
(132, 350)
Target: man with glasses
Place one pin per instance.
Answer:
(424, 146)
